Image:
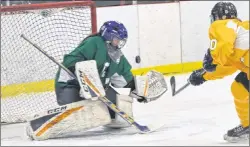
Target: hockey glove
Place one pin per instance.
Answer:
(196, 78)
(207, 62)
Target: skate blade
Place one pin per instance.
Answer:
(241, 139)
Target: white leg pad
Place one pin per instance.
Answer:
(78, 117)
(124, 103)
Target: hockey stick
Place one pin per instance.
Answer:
(105, 100)
(199, 72)
(173, 86)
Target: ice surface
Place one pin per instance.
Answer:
(196, 116)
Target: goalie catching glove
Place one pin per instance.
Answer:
(148, 87)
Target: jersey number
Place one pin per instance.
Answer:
(213, 44)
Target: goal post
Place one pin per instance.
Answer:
(27, 77)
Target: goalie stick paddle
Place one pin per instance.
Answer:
(105, 100)
(173, 86)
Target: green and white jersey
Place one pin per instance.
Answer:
(94, 48)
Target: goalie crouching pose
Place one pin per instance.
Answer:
(98, 64)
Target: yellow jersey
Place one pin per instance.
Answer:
(229, 45)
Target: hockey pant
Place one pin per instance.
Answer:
(67, 95)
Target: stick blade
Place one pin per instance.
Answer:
(173, 85)
(152, 128)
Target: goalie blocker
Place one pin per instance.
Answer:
(90, 112)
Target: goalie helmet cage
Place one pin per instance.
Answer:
(27, 76)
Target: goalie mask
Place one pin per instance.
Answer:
(115, 35)
(223, 10)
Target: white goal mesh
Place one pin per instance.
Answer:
(27, 76)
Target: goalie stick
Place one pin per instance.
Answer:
(173, 86)
(142, 129)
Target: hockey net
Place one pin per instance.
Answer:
(27, 76)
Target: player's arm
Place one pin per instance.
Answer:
(142, 87)
(85, 51)
(210, 71)
(223, 52)
(216, 62)
(223, 71)
(200, 76)
(222, 36)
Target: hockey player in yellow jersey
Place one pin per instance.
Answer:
(228, 53)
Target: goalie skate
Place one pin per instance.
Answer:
(237, 134)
